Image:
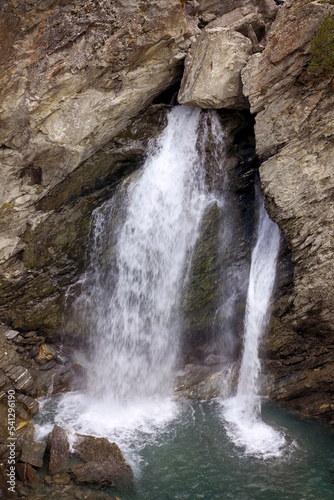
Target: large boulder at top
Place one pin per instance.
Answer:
(295, 124)
(212, 70)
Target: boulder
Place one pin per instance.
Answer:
(111, 474)
(46, 353)
(212, 70)
(61, 479)
(27, 474)
(105, 463)
(93, 449)
(59, 450)
(26, 406)
(33, 453)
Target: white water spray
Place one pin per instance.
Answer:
(243, 412)
(137, 332)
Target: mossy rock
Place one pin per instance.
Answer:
(201, 293)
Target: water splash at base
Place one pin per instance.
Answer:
(242, 414)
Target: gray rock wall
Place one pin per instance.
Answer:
(73, 76)
(295, 129)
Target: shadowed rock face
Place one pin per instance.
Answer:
(295, 124)
(214, 295)
(53, 253)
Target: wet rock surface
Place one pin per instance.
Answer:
(93, 449)
(211, 379)
(104, 463)
(104, 466)
(214, 295)
(102, 473)
(58, 450)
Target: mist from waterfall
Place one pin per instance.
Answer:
(243, 412)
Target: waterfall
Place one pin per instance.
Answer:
(131, 291)
(257, 315)
(142, 241)
(243, 412)
(142, 244)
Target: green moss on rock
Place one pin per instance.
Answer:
(200, 297)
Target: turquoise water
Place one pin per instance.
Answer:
(191, 457)
(194, 459)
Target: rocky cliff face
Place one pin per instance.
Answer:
(73, 75)
(294, 131)
(295, 128)
(77, 82)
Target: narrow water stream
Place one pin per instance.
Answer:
(243, 412)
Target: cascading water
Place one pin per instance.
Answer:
(136, 339)
(242, 413)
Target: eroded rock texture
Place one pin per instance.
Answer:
(295, 126)
(77, 81)
(212, 70)
(73, 75)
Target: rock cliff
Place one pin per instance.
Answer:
(73, 76)
(77, 83)
(295, 129)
